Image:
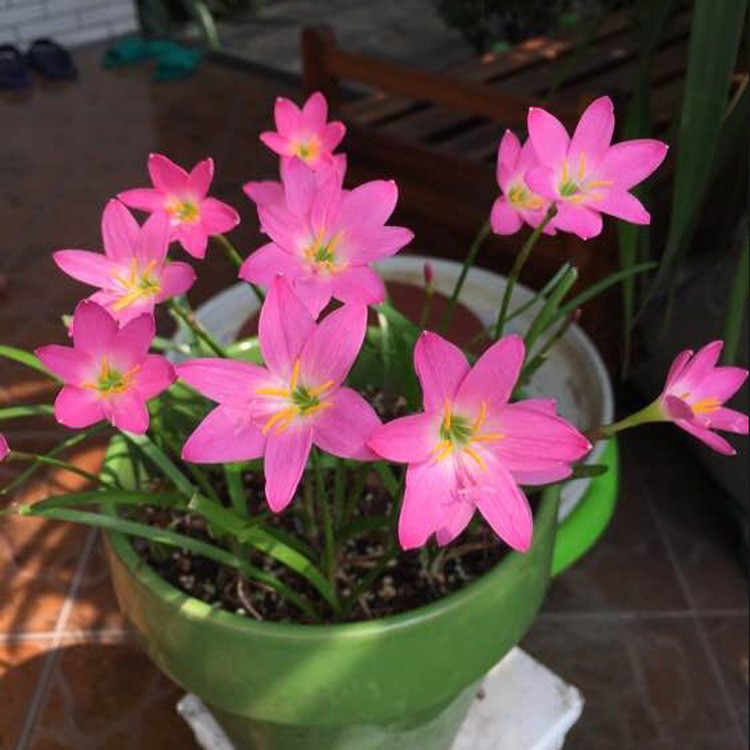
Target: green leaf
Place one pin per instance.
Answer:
(736, 308)
(14, 412)
(249, 532)
(391, 484)
(105, 497)
(25, 358)
(546, 315)
(162, 462)
(542, 293)
(236, 488)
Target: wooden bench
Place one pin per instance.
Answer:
(437, 134)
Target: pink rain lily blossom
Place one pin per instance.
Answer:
(194, 217)
(4, 449)
(108, 372)
(518, 203)
(470, 448)
(133, 274)
(695, 392)
(324, 238)
(280, 411)
(585, 175)
(304, 133)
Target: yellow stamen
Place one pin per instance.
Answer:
(565, 173)
(481, 417)
(447, 416)
(581, 167)
(280, 392)
(488, 437)
(284, 416)
(319, 390)
(471, 452)
(443, 450)
(295, 376)
(706, 406)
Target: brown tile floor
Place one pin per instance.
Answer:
(652, 625)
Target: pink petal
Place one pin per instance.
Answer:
(200, 178)
(535, 440)
(542, 476)
(287, 116)
(729, 420)
(78, 407)
(266, 192)
(93, 328)
(678, 366)
(286, 456)
(366, 244)
(120, 231)
(90, 268)
(429, 487)
(494, 376)
(711, 439)
(224, 435)
(314, 291)
(4, 449)
(506, 510)
(676, 408)
(217, 217)
(722, 383)
(546, 405)
(284, 228)
(226, 381)
(359, 284)
(541, 180)
(279, 144)
(153, 239)
(68, 364)
(268, 262)
(631, 162)
(440, 367)
(549, 137)
(315, 109)
(154, 375)
(698, 368)
(193, 239)
(128, 412)
(345, 427)
(407, 440)
(454, 518)
(325, 209)
(507, 155)
(622, 205)
(504, 219)
(332, 348)
(300, 186)
(578, 219)
(284, 327)
(145, 199)
(332, 134)
(166, 175)
(129, 346)
(371, 203)
(593, 134)
(176, 279)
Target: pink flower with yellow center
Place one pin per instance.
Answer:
(296, 401)
(471, 449)
(183, 196)
(585, 175)
(518, 203)
(695, 392)
(133, 274)
(324, 238)
(108, 372)
(4, 449)
(304, 133)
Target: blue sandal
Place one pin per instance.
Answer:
(14, 73)
(51, 60)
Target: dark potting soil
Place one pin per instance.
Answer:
(373, 588)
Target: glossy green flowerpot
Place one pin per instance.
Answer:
(402, 682)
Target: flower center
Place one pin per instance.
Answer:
(299, 400)
(182, 210)
(457, 433)
(110, 381)
(576, 188)
(139, 283)
(321, 252)
(704, 406)
(308, 150)
(521, 197)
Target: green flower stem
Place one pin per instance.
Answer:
(468, 263)
(57, 464)
(189, 319)
(234, 256)
(518, 265)
(329, 540)
(651, 413)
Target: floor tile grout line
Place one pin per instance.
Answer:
(701, 630)
(52, 656)
(82, 634)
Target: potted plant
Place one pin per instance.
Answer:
(330, 532)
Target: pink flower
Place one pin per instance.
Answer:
(695, 392)
(585, 175)
(304, 133)
(324, 238)
(133, 274)
(193, 216)
(297, 400)
(4, 449)
(471, 448)
(518, 203)
(108, 372)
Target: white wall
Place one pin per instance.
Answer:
(69, 22)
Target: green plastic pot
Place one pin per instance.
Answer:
(403, 682)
